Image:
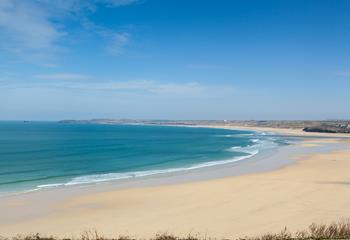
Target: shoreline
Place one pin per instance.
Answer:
(53, 211)
(222, 169)
(268, 160)
(170, 175)
(291, 132)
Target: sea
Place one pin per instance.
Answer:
(41, 155)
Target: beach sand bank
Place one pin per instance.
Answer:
(283, 131)
(228, 202)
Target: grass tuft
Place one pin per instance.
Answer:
(335, 231)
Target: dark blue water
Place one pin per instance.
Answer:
(45, 154)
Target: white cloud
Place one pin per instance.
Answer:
(184, 88)
(35, 30)
(201, 66)
(158, 87)
(343, 73)
(75, 81)
(118, 42)
(63, 76)
(117, 3)
(142, 86)
(81, 5)
(27, 30)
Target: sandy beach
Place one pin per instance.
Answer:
(312, 185)
(174, 120)
(281, 131)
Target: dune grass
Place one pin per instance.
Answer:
(336, 230)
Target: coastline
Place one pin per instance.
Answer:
(281, 131)
(198, 172)
(175, 173)
(68, 211)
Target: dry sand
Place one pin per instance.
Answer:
(314, 189)
(283, 131)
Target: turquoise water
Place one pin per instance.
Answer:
(39, 155)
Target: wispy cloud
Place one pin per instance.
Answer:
(117, 43)
(141, 87)
(154, 87)
(117, 3)
(115, 40)
(201, 66)
(62, 76)
(27, 30)
(135, 87)
(35, 30)
(343, 73)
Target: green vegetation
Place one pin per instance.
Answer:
(336, 230)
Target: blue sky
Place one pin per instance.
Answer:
(174, 59)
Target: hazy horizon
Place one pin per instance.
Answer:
(166, 119)
(154, 59)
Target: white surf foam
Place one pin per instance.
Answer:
(50, 185)
(250, 150)
(256, 146)
(236, 135)
(96, 178)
